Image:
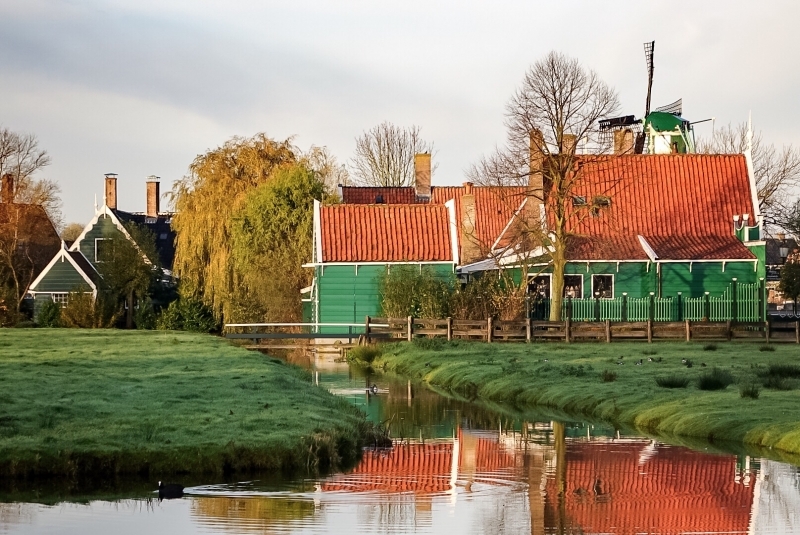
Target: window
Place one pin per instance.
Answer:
(102, 249)
(150, 220)
(539, 287)
(573, 286)
(578, 200)
(60, 298)
(603, 286)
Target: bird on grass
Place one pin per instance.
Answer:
(373, 389)
(169, 491)
(649, 359)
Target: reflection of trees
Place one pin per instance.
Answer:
(250, 513)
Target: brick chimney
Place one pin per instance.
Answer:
(470, 247)
(153, 195)
(623, 141)
(533, 205)
(7, 186)
(422, 175)
(111, 190)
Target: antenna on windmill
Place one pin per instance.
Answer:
(649, 49)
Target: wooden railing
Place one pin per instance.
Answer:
(494, 330)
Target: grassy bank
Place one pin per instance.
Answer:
(760, 405)
(100, 402)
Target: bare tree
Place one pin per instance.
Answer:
(71, 231)
(776, 171)
(385, 155)
(326, 168)
(21, 157)
(27, 237)
(556, 107)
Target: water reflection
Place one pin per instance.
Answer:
(457, 467)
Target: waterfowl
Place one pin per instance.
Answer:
(169, 491)
(373, 389)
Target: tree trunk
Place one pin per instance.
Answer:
(557, 282)
(129, 315)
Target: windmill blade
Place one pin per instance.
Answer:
(649, 49)
(676, 108)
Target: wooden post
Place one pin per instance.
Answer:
(596, 308)
(734, 303)
(707, 307)
(766, 330)
(688, 331)
(608, 331)
(761, 298)
(797, 332)
(651, 309)
(624, 312)
(528, 329)
(410, 333)
(366, 329)
(489, 328)
(567, 329)
(728, 333)
(449, 328)
(649, 331)
(680, 306)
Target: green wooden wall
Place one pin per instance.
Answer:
(347, 294)
(104, 228)
(62, 277)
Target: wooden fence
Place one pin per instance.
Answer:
(493, 330)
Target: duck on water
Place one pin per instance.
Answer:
(169, 491)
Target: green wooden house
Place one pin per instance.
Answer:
(75, 269)
(676, 236)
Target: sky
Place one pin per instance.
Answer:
(141, 87)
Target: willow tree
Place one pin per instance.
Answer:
(271, 239)
(558, 104)
(205, 201)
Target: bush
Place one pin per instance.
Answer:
(608, 376)
(25, 324)
(774, 382)
(49, 315)
(716, 379)
(783, 370)
(710, 347)
(144, 316)
(749, 391)
(187, 315)
(363, 354)
(87, 312)
(766, 348)
(407, 290)
(672, 381)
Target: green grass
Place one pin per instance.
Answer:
(672, 381)
(557, 376)
(94, 402)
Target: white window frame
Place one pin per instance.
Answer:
(613, 284)
(532, 276)
(583, 282)
(62, 298)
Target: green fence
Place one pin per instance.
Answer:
(739, 302)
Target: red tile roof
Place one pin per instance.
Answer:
(371, 195)
(385, 233)
(685, 203)
(682, 203)
(694, 247)
(494, 208)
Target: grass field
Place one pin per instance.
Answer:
(100, 402)
(751, 393)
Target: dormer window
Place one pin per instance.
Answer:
(150, 220)
(578, 200)
(599, 202)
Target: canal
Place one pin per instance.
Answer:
(456, 467)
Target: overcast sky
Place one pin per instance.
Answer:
(140, 87)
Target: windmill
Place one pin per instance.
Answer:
(649, 49)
